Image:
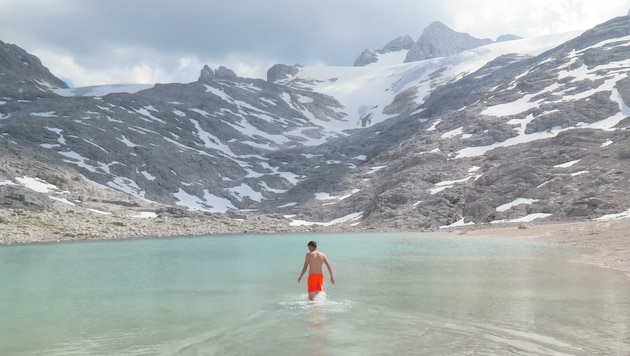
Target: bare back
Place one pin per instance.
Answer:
(315, 260)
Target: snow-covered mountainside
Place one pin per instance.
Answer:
(368, 92)
(509, 131)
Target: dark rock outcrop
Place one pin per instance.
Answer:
(280, 71)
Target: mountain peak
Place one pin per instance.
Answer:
(208, 75)
(368, 56)
(281, 71)
(437, 26)
(17, 64)
(438, 40)
(399, 43)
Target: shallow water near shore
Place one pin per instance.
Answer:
(422, 294)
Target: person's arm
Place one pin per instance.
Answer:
(332, 278)
(303, 268)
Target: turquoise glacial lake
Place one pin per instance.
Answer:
(405, 294)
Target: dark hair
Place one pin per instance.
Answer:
(312, 243)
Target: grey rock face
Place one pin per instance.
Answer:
(16, 65)
(208, 75)
(280, 71)
(399, 44)
(366, 57)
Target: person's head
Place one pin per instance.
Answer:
(312, 245)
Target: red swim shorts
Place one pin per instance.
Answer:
(315, 282)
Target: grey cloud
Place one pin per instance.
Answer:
(333, 32)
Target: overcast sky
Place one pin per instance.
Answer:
(90, 42)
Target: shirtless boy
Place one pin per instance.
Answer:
(314, 261)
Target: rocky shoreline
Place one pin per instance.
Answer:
(608, 239)
(24, 226)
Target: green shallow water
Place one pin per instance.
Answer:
(421, 294)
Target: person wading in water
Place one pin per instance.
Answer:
(314, 260)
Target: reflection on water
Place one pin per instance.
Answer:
(395, 293)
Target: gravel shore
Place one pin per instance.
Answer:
(609, 240)
(24, 226)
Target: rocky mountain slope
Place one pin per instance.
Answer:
(505, 131)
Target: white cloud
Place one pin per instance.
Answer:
(532, 18)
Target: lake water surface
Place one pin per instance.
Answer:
(420, 294)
